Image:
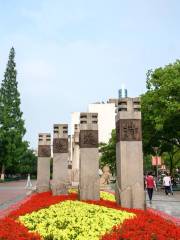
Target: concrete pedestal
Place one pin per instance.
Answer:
(60, 160)
(60, 173)
(43, 169)
(75, 155)
(89, 186)
(75, 163)
(89, 177)
(129, 156)
(43, 176)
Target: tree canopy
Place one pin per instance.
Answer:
(12, 127)
(161, 111)
(108, 153)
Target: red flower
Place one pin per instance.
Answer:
(145, 226)
(41, 200)
(12, 230)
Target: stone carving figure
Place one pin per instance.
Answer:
(105, 178)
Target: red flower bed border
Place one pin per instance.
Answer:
(166, 216)
(41, 200)
(145, 226)
(12, 230)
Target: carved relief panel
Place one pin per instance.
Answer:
(60, 145)
(44, 151)
(128, 130)
(88, 139)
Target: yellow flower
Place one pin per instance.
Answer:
(74, 220)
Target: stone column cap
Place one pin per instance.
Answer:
(60, 130)
(44, 139)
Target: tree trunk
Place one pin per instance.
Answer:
(2, 172)
(171, 164)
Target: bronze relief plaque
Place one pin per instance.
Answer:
(128, 130)
(44, 151)
(88, 139)
(60, 145)
(69, 166)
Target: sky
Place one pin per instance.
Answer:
(70, 53)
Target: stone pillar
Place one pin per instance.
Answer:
(129, 156)
(89, 185)
(60, 159)
(44, 156)
(69, 161)
(76, 155)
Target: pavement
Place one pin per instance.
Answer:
(167, 204)
(13, 192)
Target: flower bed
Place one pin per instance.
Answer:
(93, 221)
(12, 230)
(146, 226)
(74, 220)
(103, 195)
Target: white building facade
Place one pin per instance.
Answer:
(106, 119)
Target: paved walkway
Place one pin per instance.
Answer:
(167, 204)
(12, 192)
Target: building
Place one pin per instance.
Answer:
(106, 118)
(74, 120)
(122, 93)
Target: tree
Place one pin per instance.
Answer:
(108, 153)
(161, 111)
(12, 127)
(27, 163)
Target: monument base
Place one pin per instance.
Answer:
(75, 175)
(42, 188)
(131, 197)
(59, 188)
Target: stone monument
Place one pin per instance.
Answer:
(43, 169)
(89, 186)
(105, 177)
(69, 160)
(129, 156)
(60, 159)
(75, 155)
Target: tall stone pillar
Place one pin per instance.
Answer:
(44, 155)
(76, 155)
(129, 156)
(60, 159)
(69, 161)
(89, 185)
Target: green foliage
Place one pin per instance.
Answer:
(27, 163)
(147, 163)
(108, 153)
(161, 111)
(12, 127)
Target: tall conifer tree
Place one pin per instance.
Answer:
(12, 127)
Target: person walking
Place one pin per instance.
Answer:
(150, 185)
(167, 184)
(28, 184)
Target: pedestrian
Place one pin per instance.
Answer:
(150, 185)
(172, 184)
(28, 184)
(167, 184)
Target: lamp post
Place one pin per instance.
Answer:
(156, 150)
